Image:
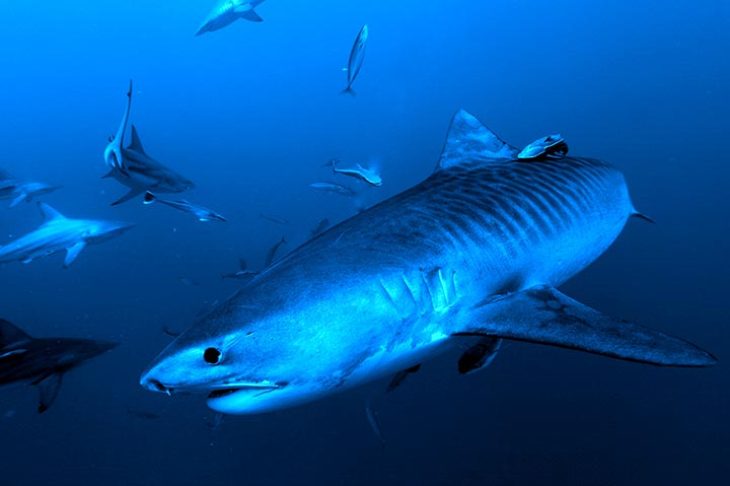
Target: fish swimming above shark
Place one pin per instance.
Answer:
(227, 12)
(22, 191)
(134, 168)
(42, 362)
(475, 251)
(201, 213)
(367, 175)
(59, 233)
(243, 272)
(356, 59)
(333, 188)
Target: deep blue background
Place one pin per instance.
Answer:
(251, 113)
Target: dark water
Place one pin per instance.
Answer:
(251, 113)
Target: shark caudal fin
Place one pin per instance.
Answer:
(149, 198)
(545, 316)
(349, 91)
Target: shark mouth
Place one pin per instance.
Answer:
(262, 388)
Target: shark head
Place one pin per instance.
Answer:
(248, 360)
(97, 231)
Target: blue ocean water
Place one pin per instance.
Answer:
(251, 113)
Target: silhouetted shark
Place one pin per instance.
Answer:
(42, 362)
(227, 12)
(135, 169)
(59, 233)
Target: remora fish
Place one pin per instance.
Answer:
(59, 233)
(364, 174)
(333, 188)
(135, 169)
(201, 213)
(227, 12)
(243, 272)
(477, 249)
(22, 191)
(357, 56)
(42, 362)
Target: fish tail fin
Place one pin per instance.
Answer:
(149, 198)
(349, 91)
(637, 214)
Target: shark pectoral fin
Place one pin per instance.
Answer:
(128, 196)
(48, 391)
(252, 16)
(480, 355)
(545, 316)
(401, 376)
(22, 197)
(73, 253)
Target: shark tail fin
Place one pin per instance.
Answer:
(642, 216)
(149, 198)
(349, 91)
(11, 334)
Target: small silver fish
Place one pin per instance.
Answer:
(333, 188)
(202, 214)
(357, 56)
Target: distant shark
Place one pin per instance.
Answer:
(135, 169)
(22, 191)
(59, 233)
(42, 362)
(227, 12)
(475, 250)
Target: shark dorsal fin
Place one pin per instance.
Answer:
(470, 142)
(11, 334)
(49, 214)
(136, 143)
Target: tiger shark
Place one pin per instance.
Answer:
(42, 362)
(59, 233)
(475, 250)
(134, 168)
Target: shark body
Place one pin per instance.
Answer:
(227, 12)
(18, 191)
(477, 249)
(134, 168)
(59, 233)
(42, 362)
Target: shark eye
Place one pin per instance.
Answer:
(212, 356)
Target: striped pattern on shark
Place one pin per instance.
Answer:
(476, 249)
